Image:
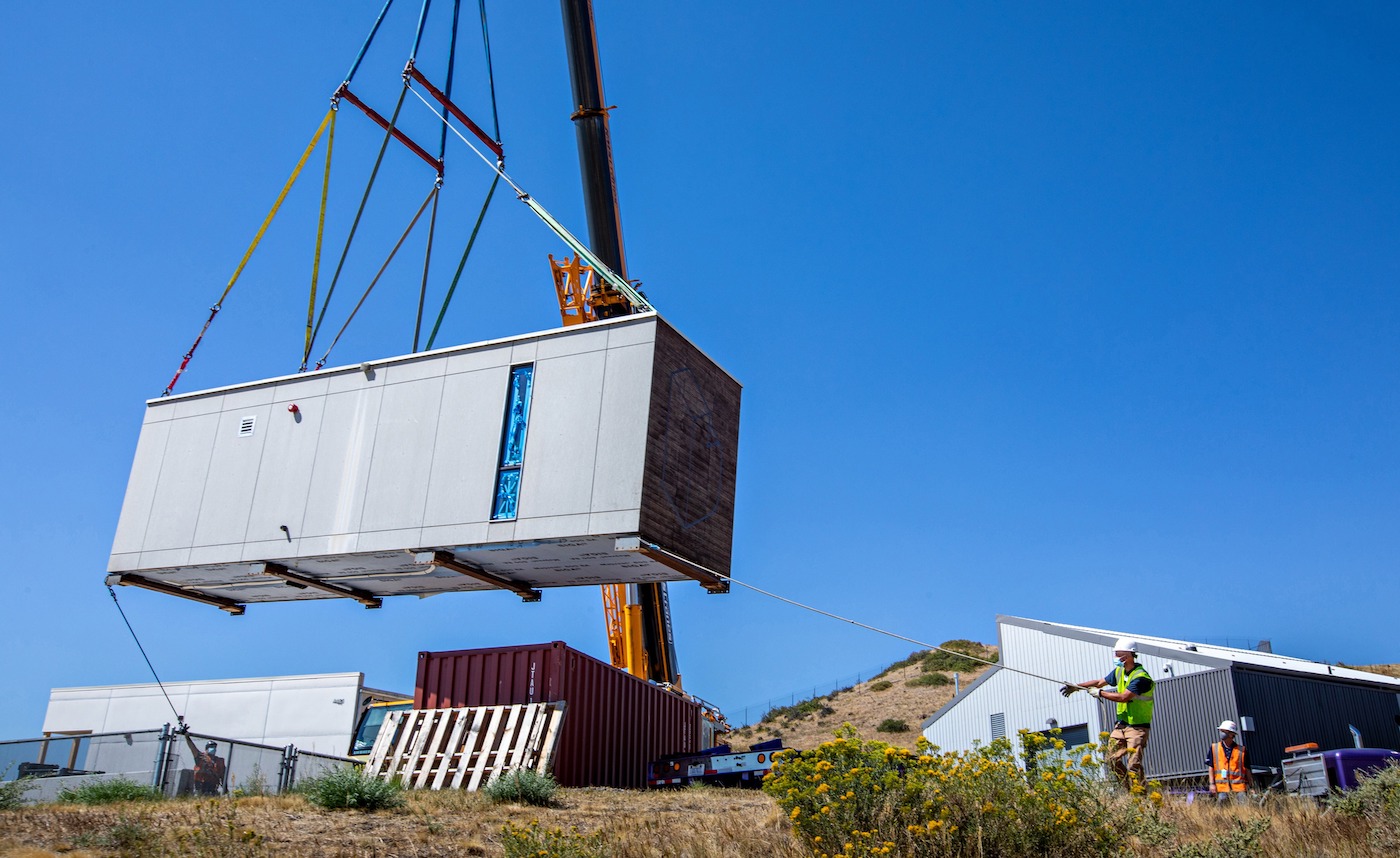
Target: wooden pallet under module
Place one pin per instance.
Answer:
(464, 748)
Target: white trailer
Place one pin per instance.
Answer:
(316, 712)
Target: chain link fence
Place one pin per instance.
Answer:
(175, 763)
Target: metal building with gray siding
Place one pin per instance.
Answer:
(1279, 701)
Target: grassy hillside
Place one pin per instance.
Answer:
(905, 694)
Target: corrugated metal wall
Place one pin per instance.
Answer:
(1186, 711)
(1290, 710)
(614, 725)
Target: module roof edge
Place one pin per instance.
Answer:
(388, 361)
(231, 679)
(706, 354)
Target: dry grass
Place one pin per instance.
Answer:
(864, 709)
(695, 823)
(705, 823)
(1298, 828)
(1383, 669)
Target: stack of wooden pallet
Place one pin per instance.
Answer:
(465, 748)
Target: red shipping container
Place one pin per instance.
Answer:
(614, 723)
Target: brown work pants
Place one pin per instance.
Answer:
(1125, 746)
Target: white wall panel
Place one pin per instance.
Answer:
(403, 455)
(467, 449)
(562, 439)
(344, 451)
(289, 456)
(180, 487)
(141, 488)
(233, 475)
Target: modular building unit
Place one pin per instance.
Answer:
(614, 723)
(600, 453)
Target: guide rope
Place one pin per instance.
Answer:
(888, 633)
(179, 719)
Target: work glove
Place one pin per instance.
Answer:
(1096, 693)
(1068, 689)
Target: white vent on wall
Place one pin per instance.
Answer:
(245, 426)
(999, 725)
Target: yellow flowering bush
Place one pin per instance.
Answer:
(850, 797)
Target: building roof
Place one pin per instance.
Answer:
(1201, 653)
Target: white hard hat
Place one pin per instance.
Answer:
(1125, 645)
(1229, 725)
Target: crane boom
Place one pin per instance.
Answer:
(639, 627)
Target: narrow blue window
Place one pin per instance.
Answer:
(513, 443)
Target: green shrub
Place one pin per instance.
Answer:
(909, 661)
(1376, 799)
(802, 709)
(928, 679)
(12, 792)
(882, 685)
(935, 660)
(351, 788)
(938, 660)
(108, 792)
(531, 840)
(857, 798)
(893, 725)
(524, 786)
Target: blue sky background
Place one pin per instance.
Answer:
(1081, 312)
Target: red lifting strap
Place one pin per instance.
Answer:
(349, 96)
(456, 111)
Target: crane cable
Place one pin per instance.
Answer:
(442, 152)
(320, 234)
(354, 227)
(605, 273)
(442, 166)
(267, 221)
(888, 633)
(471, 240)
(179, 719)
(423, 286)
(370, 38)
(432, 195)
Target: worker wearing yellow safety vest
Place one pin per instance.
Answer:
(1229, 774)
(1132, 690)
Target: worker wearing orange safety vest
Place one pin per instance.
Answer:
(1229, 774)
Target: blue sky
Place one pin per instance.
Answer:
(1081, 312)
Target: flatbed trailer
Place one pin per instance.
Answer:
(719, 766)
